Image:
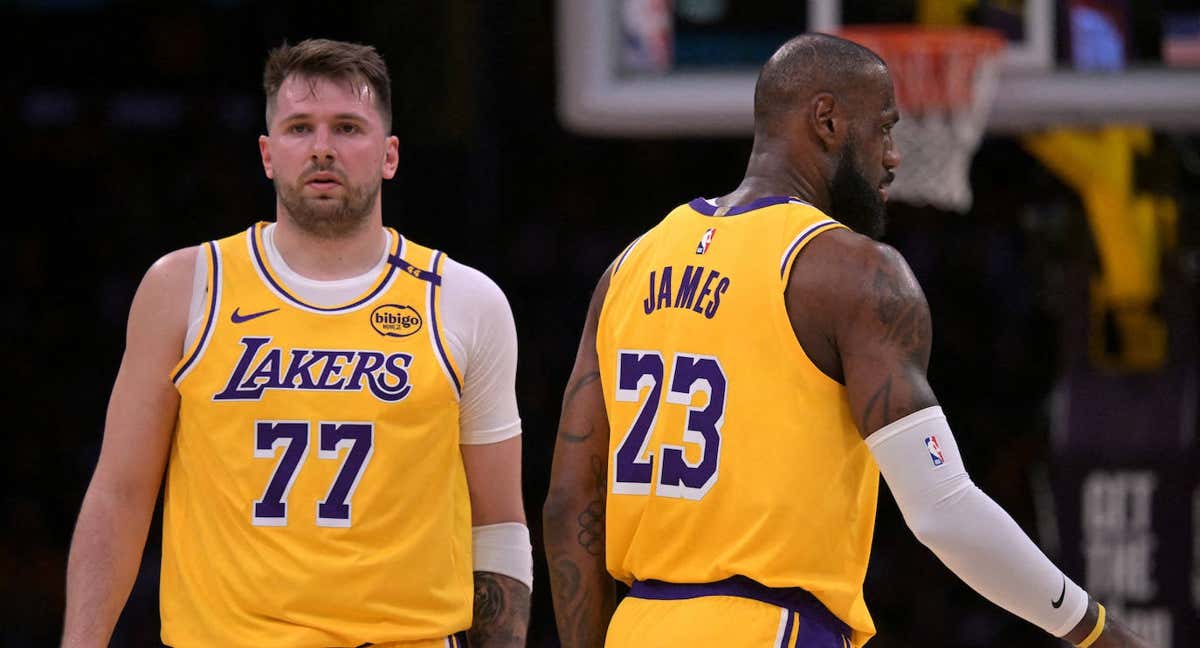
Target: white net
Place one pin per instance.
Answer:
(936, 148)
(945, 82)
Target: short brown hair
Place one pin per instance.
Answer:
(318, 58)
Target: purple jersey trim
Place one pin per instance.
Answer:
(708, 209)
(786, 639)
(423, 275)
(212, 316)
(437, 336)
(260, 260)
(799, 240)
(627, 251)
(796, 599)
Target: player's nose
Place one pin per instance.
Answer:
(322, 145)
(891, 158)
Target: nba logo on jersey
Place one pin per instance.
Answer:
(935, 451)
(706, 240)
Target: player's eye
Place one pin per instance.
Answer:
(348, 129)
(298, 128)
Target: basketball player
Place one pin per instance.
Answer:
(744, 368)
(334, 407)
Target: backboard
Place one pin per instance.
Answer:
(659, 68)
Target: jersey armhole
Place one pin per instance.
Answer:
(200, 344)
(792, 251)
(441, 349)
(624, 255)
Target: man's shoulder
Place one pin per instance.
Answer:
(166, 291)
(460, 277)
(174, 269)
(844, 257)
(842, 270)
(853, 248)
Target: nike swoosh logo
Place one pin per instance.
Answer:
(238, 318)
(1057, 604)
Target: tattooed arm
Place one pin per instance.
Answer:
(885, 341)
(501, 612)
(501, 602)
(860, 314)
(573, 517)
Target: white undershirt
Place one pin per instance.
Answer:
(475, 317)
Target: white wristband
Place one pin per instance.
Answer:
(503, 548)
(969, 532)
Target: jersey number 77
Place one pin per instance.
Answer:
(357, 439)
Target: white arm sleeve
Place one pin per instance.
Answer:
(196, 307)
(483, 338)
(965, 529)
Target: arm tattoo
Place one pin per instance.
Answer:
(881, 398)
(905, 320)
(583, 381)
(591, 519)
(501, 612)
(574, 604)
(572, 390)
(583, 591)
(898, 321)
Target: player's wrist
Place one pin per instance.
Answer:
(1096, 630)
(1086, 625)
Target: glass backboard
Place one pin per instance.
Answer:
(687, 67)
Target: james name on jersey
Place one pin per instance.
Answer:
(689, 293)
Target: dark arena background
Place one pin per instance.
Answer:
(1065, 325)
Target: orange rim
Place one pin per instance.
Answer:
(934, 69)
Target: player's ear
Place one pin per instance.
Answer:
(264, 150)
(827, 120)
(391, 157)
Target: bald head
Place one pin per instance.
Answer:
(807, 65)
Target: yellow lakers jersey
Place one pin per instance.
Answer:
(315, 493)
(731, 454)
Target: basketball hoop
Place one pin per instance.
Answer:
(945, 81)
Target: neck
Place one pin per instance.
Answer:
(327, 259)
(772, 172)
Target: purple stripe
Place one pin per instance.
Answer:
(800, 239)
(262, 265)
(627, 251)
(796, 599)
(423, 275)
(708, 209)
(437, 338)
(212, 315)
(786, 640)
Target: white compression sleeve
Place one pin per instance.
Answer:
(503, 549)
(965, 529)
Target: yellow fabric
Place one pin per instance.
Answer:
(396, 564)
(1132, 231)
(791, 502)
(1095, 633)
